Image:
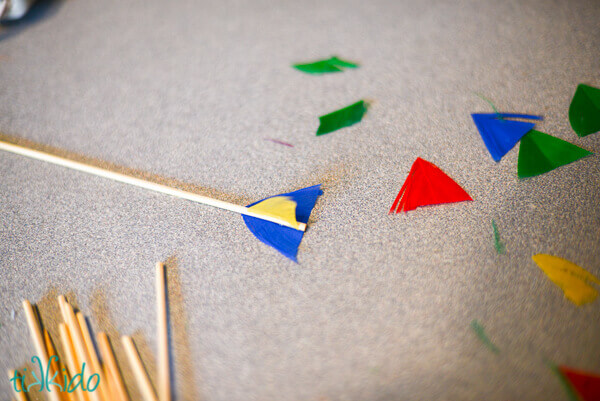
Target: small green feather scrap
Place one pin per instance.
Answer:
(500, 248)
(330, 65)
(478, 329)
(563, 381)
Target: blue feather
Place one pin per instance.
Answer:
(285, 239)
(500, 135)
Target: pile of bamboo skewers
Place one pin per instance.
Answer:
(78, 348)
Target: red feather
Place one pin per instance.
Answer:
(587, 385)
(425, 185)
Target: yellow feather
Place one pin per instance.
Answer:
(280, 207)
(572, 279)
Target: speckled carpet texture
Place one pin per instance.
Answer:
(380, 305)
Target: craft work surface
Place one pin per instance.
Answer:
(379, 306)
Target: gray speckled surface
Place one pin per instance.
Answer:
(379, 306)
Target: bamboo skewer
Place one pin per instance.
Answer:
(79, 350)
(112, 370)
(65, 339)
(17, 388)
(101, 172)
(38, 341)
(51, 352)
(79, 346)
(164, 377)
(143, 381)
(108, 385)
(94, 361)
(56, 365)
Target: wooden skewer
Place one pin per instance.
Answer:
(17, 388)
(110, 363)
(164, 377)
(79, 345)
(38, 341)
(65, 339)
(62, 303)
(52, 352)
(109, 386)
(143, 381)
(100, 172)
(91, 351)
(56, 365)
